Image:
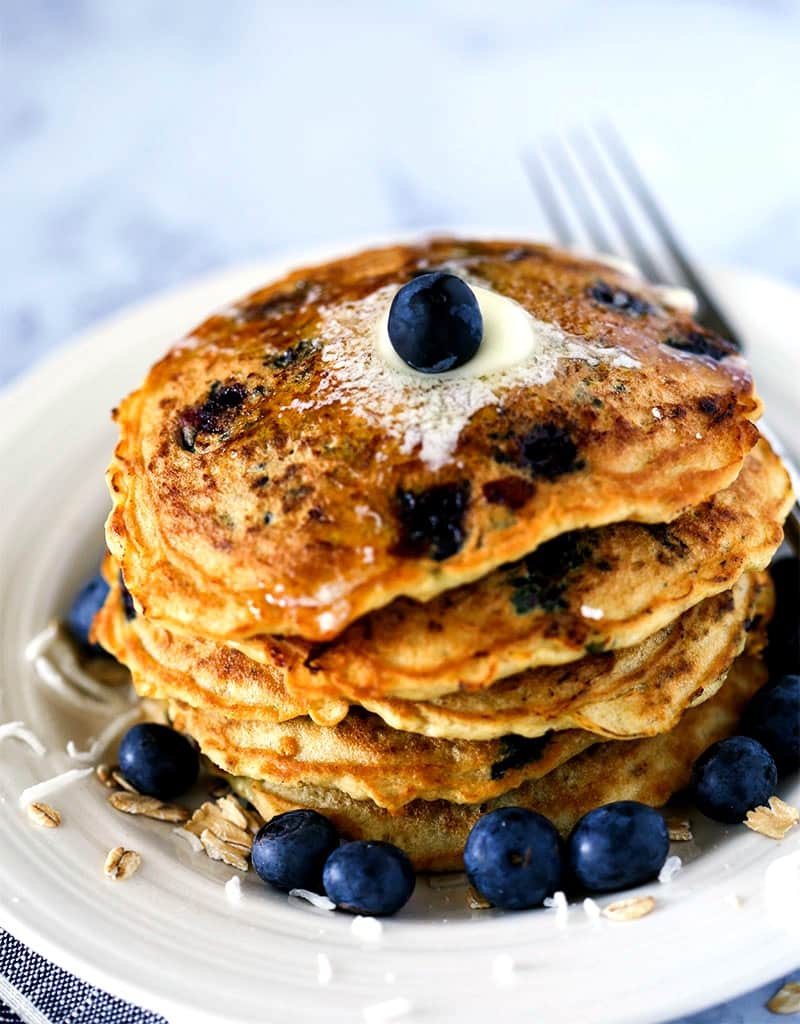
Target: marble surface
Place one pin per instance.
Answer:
(145, 142)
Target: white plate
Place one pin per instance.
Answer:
(168, 938)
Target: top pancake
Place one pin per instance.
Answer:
(273, 475)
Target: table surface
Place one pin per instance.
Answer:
(145, 143)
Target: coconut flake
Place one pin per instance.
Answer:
(366, 929)
(314, 898)
(670, 868)
(591, 909)
(558, 902)
(588, 612)
(52, 654)
(43, 789)
(114, 727)
(19, 731)
(233, 890)
(656, 413)
(390, 1009)
(324, 969)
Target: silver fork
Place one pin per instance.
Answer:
(593, 183)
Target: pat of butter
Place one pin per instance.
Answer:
(509, 338)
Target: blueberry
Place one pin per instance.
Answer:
(513, 858)
(87, 603)
(157, 760)
(432, 521)
(618, 298)
(435, 323)
(290, 851)
(617, 846)
(549, 451)
(732, 777)
(773, 718)
(369, 878)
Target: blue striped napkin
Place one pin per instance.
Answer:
(33, 991)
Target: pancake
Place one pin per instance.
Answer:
(632, 692)
(529, 613)
(636, 691)
(366, 759)
(200, 672)
(274, 475)
(433, 833)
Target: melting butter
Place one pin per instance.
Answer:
(510, 336)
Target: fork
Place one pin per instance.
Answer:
(592, 182)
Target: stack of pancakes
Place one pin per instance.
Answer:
(403, 599)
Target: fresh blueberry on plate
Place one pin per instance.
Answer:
(513, 858)
(290, 851)
(87, 603)
(773, 718)
(732, 777)
(369, 878)
(435, 323)
(617, 846)
(158, 761)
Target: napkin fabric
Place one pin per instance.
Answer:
(33, 991)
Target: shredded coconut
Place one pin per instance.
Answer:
(367, 929)
(591, 613)
(53, 658)
(503, 967)
(656, 413)
(314, 898)
(671, 867)
(43, 789)
(426, 413)
(191, 839)
(233, 890)
(19, 731)
(391, 1009)
(324, 969)
(591, 909)
(558, 902)
(114, 727)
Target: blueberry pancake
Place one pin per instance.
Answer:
(582, 592)
(433, 833)
(633, 693)
(281, 471)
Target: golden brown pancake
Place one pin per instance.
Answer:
(271, 475)
(644, 694)
(199, 672)
(633, 692)
(535, 612)
(433, 833)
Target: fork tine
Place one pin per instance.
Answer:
(565, 165)
(609, 192)
(541, 182)
(709, 313)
